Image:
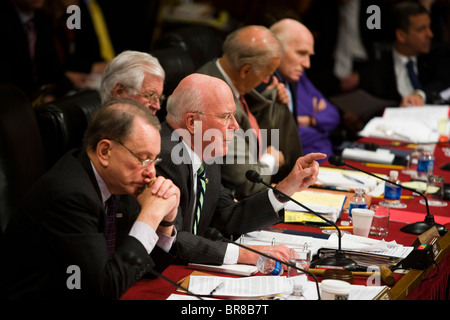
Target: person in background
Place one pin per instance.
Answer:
(250, 56)
(135, 75)
(316, 117)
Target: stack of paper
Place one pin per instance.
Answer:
(327, 204)
(413, 124)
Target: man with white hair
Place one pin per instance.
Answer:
(135, 75)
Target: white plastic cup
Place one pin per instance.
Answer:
(331, 289)
(362, 220)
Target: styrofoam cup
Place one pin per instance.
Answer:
(362, 220)
(331, 289)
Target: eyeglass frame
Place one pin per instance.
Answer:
(153, 97)
(226, 116)
(145, 163)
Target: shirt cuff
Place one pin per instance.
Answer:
(231, 254)
(276, 204)
(149, 238)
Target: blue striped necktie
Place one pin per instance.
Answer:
(201, 187)
(111, 210)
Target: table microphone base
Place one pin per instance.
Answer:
(338, 260)
(421, 227)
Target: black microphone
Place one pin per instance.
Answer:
(339, 259)
(414, 228)
(215, 235)
(134, 260)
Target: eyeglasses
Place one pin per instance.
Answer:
(153, 97)
(226, 116)
(144, 163)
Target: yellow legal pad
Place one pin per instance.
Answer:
(328, 204)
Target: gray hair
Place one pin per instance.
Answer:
(242, 52)
(114, 121)
(182, 101)
(128, 69)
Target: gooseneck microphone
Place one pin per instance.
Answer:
(413, 228)
(215, 235)
(339, 259)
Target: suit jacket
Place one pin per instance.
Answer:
(262, 107)
(379, 78)
(16, 66)
(62, 223)
(219, 209)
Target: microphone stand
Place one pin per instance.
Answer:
(213, 233)
(339, 259)
(413, 228)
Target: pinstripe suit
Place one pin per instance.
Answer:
(219, 208)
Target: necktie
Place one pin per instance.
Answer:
(413, 76)
(106, 48)
(32, 36)
(252, 119)
(111, 210)
(201, 187)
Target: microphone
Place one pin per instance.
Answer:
(133, 260)
(413, 228)
(339, 259)
(215, 235)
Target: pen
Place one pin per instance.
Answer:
(352, 178)
(386, 166)
(342, 227)
(401, 197)
(220, 285)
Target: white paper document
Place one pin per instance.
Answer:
(269, 286)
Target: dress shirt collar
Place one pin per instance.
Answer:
(228, 80)
(195, 159)
(102, 185)
(402, 60)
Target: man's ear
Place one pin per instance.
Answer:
(119, 90)
(400, 35)
(103, 152)
(189, 120)
(245, 70)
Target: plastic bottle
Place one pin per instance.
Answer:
(357, 201)
(425, 164)
(269, 266)
(392, 191)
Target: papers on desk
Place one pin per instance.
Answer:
(327, 204)
(411, 124)
(384, 156)
(243, 270)
(350, 180)
(269, 286)
(349, 242)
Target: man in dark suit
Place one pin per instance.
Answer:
(251, 55)
(99, 219)
(28, 59)
(412, 73)
(199, 128)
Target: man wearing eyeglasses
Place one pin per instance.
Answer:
(99, 219)
(199, 127)
(135, 75)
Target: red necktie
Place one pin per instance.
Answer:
(31, 34)
(252, 119)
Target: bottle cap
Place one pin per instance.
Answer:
(394, 174)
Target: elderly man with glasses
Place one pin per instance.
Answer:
(99, 219)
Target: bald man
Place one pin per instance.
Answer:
(197, 133)
(316, 116)
(251, 56)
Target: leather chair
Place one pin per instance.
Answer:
(177, 64)
(22, 158)
(62, 123)
(200, 42)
